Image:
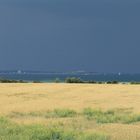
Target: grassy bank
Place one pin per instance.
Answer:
(124, 116)
(11, 131)
(67, 124)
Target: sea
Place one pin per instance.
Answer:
(61, 76)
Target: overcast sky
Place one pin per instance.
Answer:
(65, 35)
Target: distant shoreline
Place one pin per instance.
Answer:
(51, 77)
(69, 80)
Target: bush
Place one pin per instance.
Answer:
(112, 82)
(73, 80)
(11, 81)
(36, 81)
(92, 82)
(115, 82)
(134, 83)
(101, 82)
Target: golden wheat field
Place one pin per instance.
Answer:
(26, 104)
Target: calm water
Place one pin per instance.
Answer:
(52, 77)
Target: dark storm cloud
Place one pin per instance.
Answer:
(99, 35)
